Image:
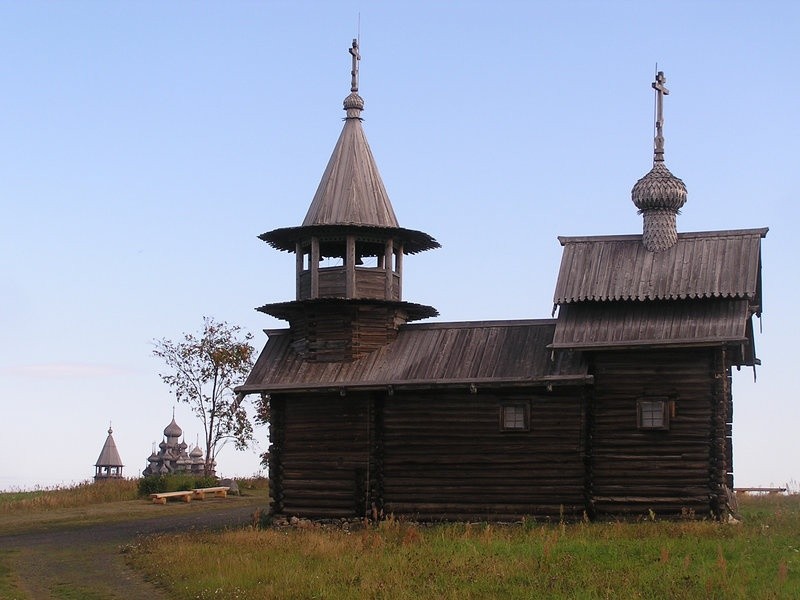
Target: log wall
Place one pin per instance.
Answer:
(322, 465)
(444, 456)
(633, 470)
(427, 456)
(338, 334)
(369, 283)
(441, 454)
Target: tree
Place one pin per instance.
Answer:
(203, 371)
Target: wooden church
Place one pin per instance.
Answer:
(620, 405)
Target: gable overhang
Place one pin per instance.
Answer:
(631, 325)
(473, 386)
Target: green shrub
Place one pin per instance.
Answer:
(156, 484)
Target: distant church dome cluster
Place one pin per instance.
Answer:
(174, 456)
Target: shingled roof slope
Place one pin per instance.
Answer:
(429, 354)
(109, 455)
(351, 190)
(602, 325)
(711, 264)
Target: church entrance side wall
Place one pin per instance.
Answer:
(635, 468)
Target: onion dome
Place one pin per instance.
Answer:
(172, 430)
(659, 195)
(659, 189)
(354, 104)
(196, 452)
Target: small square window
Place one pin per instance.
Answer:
(514, 417)
(652, 413)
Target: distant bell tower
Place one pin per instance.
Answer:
(349, 254)
(109, 464)
(659, 195)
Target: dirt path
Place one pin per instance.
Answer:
(86, 561)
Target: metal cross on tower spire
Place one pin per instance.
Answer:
(354, 72)
(661, 91)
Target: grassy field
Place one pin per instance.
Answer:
(758, 558)
(83, 494)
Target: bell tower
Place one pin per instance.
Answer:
(348, 254)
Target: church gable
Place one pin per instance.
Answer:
(714, 264)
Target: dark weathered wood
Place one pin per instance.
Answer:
(652, 469)
(324, 455)
(445, 455)
(634, 324)
(429, 355)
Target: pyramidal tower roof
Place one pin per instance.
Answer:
(351, 195)
(109, 456)
(351, 191)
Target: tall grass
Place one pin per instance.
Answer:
(759, 558)
(82, 494)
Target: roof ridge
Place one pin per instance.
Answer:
(577, 239)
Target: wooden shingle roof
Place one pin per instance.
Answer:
(109, 456)
(285, 238)
(602, 325)
(714, 264)
(351, 190)
(496, 353)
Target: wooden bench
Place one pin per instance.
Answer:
(161, 498)
(760, 490)
(219, 492)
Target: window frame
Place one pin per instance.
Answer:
(526, 417)
(641, 415)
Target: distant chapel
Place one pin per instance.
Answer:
(620, 405)
(109, 464)
(172, 457)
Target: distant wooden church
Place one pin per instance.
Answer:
(620, 405)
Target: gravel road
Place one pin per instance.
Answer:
(85, 560)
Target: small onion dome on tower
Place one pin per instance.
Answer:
(353, 104)
(196, 455)
(172, 430)
(659, 195)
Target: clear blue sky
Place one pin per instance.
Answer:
(145, 145)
